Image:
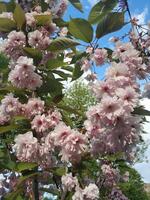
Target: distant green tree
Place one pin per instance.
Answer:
(78, 97)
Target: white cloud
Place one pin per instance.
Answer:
(92, 2)
(141, 16)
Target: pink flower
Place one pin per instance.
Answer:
(69, 182)
(35, 38)
(54, 117)
(35, 106)
(128, 95)
(111, 107)
(78, 195)
(100, 56)
(101, 88)
(40, 123)
(26, 147)
(60, 134)
(30, 20)
(91, 192)
(86, 65)
(23, 75)
(74, 146)
(10, 105)
(117, 69)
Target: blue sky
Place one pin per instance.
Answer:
(141, 10)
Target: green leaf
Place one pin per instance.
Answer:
(100, 10)
(141, 111)
(77, 72)
(76, 4)
(19, 16)
(4, 129)
(43, 19)
(60, 22)
(25, 166)
(3, 8)
(78, 56)
(62, 74)
(33, 53)
(4, 61)
(60, 44)
(55, 63)
(110, 23)
(81, 29)
(7, 25)
(50, 86)
(60, 171)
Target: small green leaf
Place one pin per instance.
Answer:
(33, 53)
(141, 111)
(81, 29)
(60, 44)
(43, 19)
(4, 129)
(110, 23)
(76, 4)
(50, 86)
(77, 72)
(62, 74)
(100, 10)
(60, 171)
(7, 25)
(3, 8)
(55, 63)
(19, 16)
(25, 166)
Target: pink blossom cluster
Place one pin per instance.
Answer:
(69, 182)
(111, 175)
(10, 106)
(58, 7)
(13, 45)
(116, 194)
(72, 143)
(24, 76)
(28, 148)
(90, 192)
(110, 124)
(97, 56)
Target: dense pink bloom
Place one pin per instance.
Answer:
(60, 133)
(40, 123)
(23, 75)
(10, 105)
(35, 106)
(91, 192)
(26, 147)
(78, 195)
(116, 194)
(100, 56)
(74, 146)
(111, 175)
(69, 182)
(13, 45)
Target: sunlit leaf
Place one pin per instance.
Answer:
(81, 29)
(19, 16)
(101, 9)
(110, 23)
(7, 25)
(60, 44)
